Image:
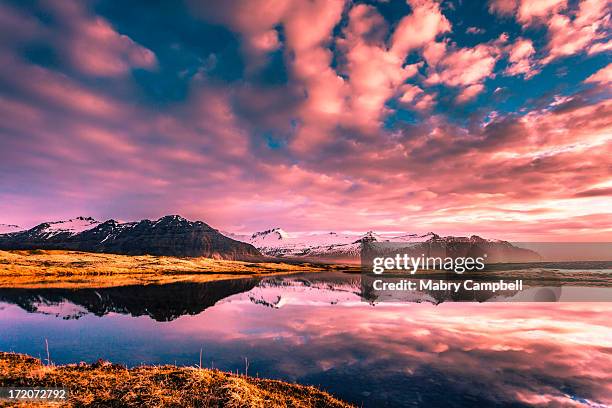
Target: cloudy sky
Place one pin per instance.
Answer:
(458, 117)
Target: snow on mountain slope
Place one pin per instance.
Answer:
(269, 238)
(346, 248)
(277, 242)
(72, 226)
(69, 227)
(330, 246)
(8, 228)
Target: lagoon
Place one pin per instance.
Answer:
(315, 329)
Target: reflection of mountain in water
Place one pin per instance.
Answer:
(160, 302)
(312, 288)
(541, 282)
(170, 301)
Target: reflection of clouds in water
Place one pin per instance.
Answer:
(453, 354)
(534, 353)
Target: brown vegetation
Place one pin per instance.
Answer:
(73, 269)
(109, 385)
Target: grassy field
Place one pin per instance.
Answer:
(72, 269)
(109, 385)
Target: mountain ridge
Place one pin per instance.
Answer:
(171, 235)
(346, 248)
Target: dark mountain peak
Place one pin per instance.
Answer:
(369, 236)
(275, 233)
(171, 235)
(81, 218)
(432, 236)
(41, 226)
(172, 218)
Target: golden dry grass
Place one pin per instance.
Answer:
(73, 269)
(108, 385)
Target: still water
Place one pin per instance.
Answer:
(315, 329)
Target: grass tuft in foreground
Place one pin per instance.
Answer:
(108, 385)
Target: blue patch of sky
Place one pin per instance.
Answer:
(392, 11)
(274, 71)
(274, 142)
(183, 44)
(466, 14)
(41, 53)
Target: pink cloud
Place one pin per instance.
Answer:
(568, 36)
(16, 26)
(474, 30)
(443, 176)
(470, 93)
(92, 45)
(60, 92)
(99, 50)
(465, 68)
(600, 47)
(374, 72)
(309, 28)
(530, 11)
(419, 28)
(266, 41)
(308, 31)
(503, 7)
(521, 58)
(253, 20)
(570, 30)
(603, 76)
(410, 93)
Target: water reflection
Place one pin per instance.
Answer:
(160, 302)
(170, 301)
(316, 330)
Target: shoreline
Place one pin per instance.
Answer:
(107, 384)
(75, 269)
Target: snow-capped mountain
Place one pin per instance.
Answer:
(346, 248)
(53, 231)
(321, 247)
(269, 237)
(69, 227)
(175, 236)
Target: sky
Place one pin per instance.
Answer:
(458, 117)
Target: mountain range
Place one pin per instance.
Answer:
(346, 248)
(173, 235)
